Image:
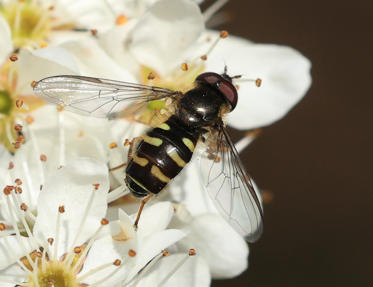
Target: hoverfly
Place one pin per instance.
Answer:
(166, 149)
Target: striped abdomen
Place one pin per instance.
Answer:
(160, 156)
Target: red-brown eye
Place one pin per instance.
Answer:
(223, 85)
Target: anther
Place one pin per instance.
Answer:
(77, 250)
(18, 181)
(94, 32)
(117, 262)
(20, 139)
(165, 253)
(258, 82)
(96, 186)
(33, 84)
(132, 253)
(151, 76)
(60, 107)
(204, 57)
(51, 282)
(43, 45)
(192, 252)
(50, 240)
(184, 66)
(29, 119)
(43, 157)
(113, 145)
(8, 189)
(104, 221)
(61, 209)
(24, 206)
(16, 145)
(11, 165)
(2, 227)
(19, 103)
(18, 127)
(121, 19)
(127, 142)
(18, 189)
(224, 34)
(13, 57)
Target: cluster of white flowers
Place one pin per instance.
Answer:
(59, 225)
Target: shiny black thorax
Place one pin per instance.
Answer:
(169, 147)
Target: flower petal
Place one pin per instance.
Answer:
(194, 272)
(284, 71)
(162, 36)
(6, 45)
(11, 249)
(73, 187)
(37, 64)
(224, 249)
(155, 218)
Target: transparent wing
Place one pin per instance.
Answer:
(230, 187)
(97, 97)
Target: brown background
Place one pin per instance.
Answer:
(317, 160)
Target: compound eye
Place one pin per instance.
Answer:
(210, 78)
(229, 92)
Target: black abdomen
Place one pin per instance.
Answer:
(160, 156)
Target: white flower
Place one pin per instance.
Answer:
(67, 241)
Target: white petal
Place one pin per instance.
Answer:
(93, 61)
(224, 250)
(6, 45)
(285, 75)
(12, 249)
(152, 246)
(194, 272)
(37, 64)
(72, 187)
(103, 251)
(155, 218)
(162, 36)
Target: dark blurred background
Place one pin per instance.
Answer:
(317, 161)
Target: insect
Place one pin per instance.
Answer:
(166, 149)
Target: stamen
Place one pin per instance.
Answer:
(258, 81)
(113, 145)
(99, 268)
(61, 209)
(191, 252)
(184, 66)
(223, 34)
(117, 193)
(210, 11)
(247, 140)
(19, 103)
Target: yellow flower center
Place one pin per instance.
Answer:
(29, 22)
(6, 103)
(54, 273)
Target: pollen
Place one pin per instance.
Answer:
(13, 57)
(121, 20)
(113, 145)
(61, 209)
(29, 119)
(18, 127)
(8, 189)
(132, 253)
(19, 103)
(258, 82)
(104, 221)
(224, 34)
(184, 66)
(192, 252)
(117, 262)
(43, 157)
(24, 207)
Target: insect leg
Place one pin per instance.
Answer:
(145, 200)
